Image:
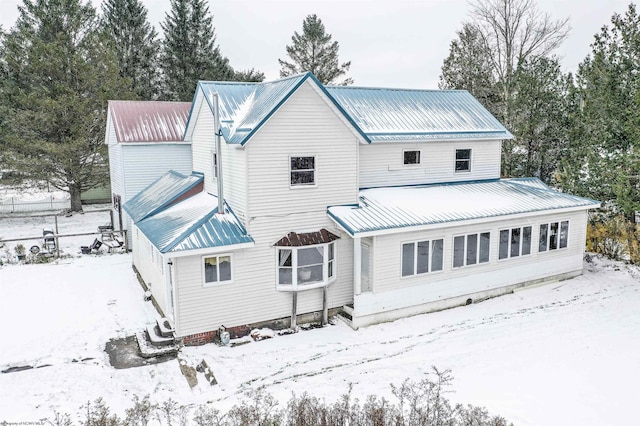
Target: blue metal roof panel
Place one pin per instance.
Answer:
(160, 193)
(402, 114)
(405, 207)
(193, 224)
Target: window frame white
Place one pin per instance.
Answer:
(405, 164)
(455, 160)
(415, 243)
(315, 172)
(218, 282)
(521, 243)
(326, 260)
(466, 236)
(559, 235)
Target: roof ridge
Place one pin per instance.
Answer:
(395, 89)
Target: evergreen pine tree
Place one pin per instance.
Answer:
(314, 51)
(58, 73)
(189, 52)
(135, 43)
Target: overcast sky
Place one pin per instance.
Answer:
(390, 43)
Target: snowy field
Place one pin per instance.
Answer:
(559, 354)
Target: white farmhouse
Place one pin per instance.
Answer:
(381, 203)
(145, 140)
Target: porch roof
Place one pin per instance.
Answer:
(387, 210)
(194, 224)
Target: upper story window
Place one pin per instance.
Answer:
(515, 242)
(553, 236)
(420, 257)
(217, 269)
(303, 171)
(471, 249)
(463, 160)
(411, 157)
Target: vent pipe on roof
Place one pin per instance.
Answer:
(218, 133)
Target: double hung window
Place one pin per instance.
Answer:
(553, 236)
(471, 249)
(515, 242)
(302, 171)
(463, 160)
(420, 257)
(410, 157)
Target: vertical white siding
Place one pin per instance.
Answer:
(381, 164)
(453, 282)
(304, 125)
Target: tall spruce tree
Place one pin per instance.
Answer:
(58, 74)
(189, 51)
(606, 164)
(136, 44)
(314, 51)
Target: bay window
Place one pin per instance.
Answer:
(305, 267)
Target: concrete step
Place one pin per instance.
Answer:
(147, 350)
(348, 309)
(165, 327)
(156, 339)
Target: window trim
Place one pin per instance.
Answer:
(464, 258)
(548, 237)
(469, 161)
(415, 257)
(419, 151)
(216, 283)
(510, 229)
(315, 171)
(294, 286)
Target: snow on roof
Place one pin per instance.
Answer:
(385, 209)
(149, 121)
(161, 194)
(378, 114)
(193, 224)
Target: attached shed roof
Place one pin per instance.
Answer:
(194, 224)
(160, 194)
(387, 115)
(149, 121)
(383, 210)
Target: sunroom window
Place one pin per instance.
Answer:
(553, 236)
(305, 260)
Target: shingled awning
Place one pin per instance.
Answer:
(299, 239)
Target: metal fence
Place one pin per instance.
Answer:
(16, 205)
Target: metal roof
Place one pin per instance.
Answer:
(391, 209)
(160, 194)
(193, 224)
(415, 115)
(149, 121)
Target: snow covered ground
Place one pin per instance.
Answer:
(563, 353)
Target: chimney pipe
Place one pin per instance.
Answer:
(218, 133)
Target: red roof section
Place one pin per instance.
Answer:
(149, 121)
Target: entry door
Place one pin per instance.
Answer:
(365, 273)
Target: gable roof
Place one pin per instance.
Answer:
(413, 115)
(149, 121)
(160, 194)
(377, 114)
(245, 107)
(384, 210)
(194, 224)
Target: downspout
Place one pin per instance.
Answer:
(218, 133)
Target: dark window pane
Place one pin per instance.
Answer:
(330, 269)
(302, 163)
(310, 256)
(472, 249)
(303, 178)
(458, 252)
(553, 236)
(436, 255)
(225, 268)
(463, 154)
(284, 257)
(423, 257)
(407, 259)
(544, 229)
(411, 157)
(210, 270)
(515, 242)
(526, 240)
(284, 276)
(331, 251)
(564, 233)
(309, 274)
(503, 251)
(485, 240)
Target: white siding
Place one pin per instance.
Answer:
(381, 164)
(149, 263)
(390, 290)
(304, 125)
